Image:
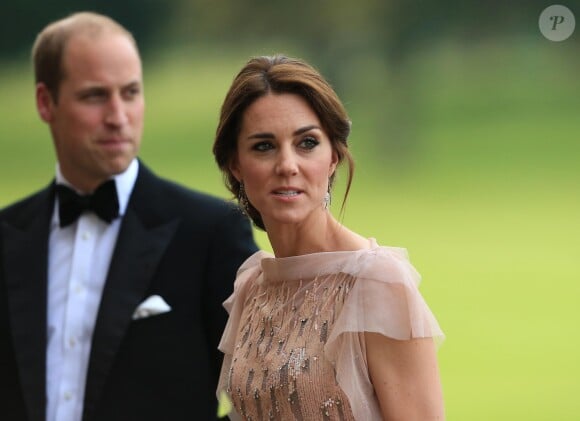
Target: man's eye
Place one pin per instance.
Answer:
(93, 96)
(262, 146)
(309, 143)
(132, 93)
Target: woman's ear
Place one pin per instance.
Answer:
(333, 163)
(235, 169)
(44, 102)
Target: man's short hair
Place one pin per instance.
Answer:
(48, 49)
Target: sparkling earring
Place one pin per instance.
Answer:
(327, 198)
(243, 199)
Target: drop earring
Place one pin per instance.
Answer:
(327, 198)
(243, 199)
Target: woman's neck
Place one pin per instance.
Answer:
(324, 234)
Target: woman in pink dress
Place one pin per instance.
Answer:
(332, 326)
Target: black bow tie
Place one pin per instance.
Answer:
(103, 202)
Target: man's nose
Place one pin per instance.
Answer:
(116, 113)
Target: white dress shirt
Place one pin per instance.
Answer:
(78, 262)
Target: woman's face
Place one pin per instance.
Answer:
(284, 158)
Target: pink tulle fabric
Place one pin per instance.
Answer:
(318, 306)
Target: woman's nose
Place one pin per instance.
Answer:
(287, 163)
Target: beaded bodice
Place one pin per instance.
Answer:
(279, 369)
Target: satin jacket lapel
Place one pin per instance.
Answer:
(25, 260)
(136, 256)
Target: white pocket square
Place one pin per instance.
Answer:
(150, 307)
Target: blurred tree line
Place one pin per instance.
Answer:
(23, 19)
(363, 47)
(330, 29)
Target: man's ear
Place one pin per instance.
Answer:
(44, 102)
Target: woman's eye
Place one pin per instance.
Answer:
(309, 143)
(262, 146)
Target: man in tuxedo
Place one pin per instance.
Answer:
(111, 278)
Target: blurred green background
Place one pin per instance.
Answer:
(466, 138)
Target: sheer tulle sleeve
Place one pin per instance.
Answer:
(234, 305)
(384, 299)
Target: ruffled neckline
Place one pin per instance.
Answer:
(308, 266)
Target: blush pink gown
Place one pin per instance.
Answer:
(294, 343)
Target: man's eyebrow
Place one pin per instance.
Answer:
(92, 89)
(132, 84)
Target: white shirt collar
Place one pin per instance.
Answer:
(124, 182)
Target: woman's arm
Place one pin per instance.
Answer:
(405, 376)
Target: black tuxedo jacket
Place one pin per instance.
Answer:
(182, 245)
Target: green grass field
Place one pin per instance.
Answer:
(488, 204)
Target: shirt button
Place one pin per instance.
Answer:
(86, 235)
(67, 396)
(72, 342)
(78, 288)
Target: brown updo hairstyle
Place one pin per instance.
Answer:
(279, 74)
